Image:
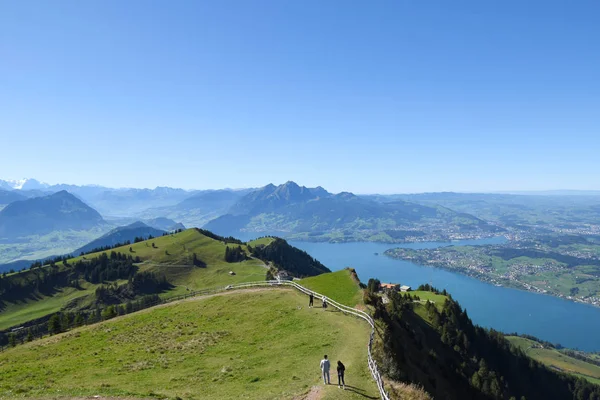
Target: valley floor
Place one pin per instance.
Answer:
(262, 344)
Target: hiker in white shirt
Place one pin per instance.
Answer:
(325, 370)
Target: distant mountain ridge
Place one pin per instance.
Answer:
(129, 202)
(313, 213)
(119, 235)
(40, 215)
(271, 197)
(22, 184)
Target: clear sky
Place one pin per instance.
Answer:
(365, 96)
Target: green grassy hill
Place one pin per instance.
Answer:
(341, 286)
(170, 255)
(262, 344)
(556, 359)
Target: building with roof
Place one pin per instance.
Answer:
(390, 286)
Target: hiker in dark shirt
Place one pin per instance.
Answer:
(310, 300)
(340, 370)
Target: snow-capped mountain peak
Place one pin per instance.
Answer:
(22, 184)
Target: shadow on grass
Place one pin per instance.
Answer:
(359, 391)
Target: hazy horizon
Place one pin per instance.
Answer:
(541, 191)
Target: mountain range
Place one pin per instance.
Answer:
(288, 210)
(128, 202)
(41, 215)
(302, 212)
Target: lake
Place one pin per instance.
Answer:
(573, 325)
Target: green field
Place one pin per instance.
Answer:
(18, 313)
(557, 360)
(171, 256)
(340, 286)
(265, 241)
(438, 299)
(262, 344)
(419, 308)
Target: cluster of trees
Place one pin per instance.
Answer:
(19, 287)
(140, 283)
(235, 254)
(428, 288)
(141, 238)
(51, 261)
(106, 248)
(453, 358)
(228, 239)
(107, 267)
(297, 262)
(373, 286)
(46, 280)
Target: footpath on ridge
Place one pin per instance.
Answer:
(343, 308)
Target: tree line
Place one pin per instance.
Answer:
(95, 270)
(228, 239)
(139, 284)
(65, 320)
(235, 254)
(297, 262)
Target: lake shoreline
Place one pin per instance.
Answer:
(504, 308)
(510, 284)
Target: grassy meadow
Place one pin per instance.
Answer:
(339, 285)
(265, 241)
(557, 360)
(437, 299)
(171, 255)
(264, 344)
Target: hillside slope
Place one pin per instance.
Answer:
(255, 345)
(439, 347)
(283, 256)
(9, 196)
(556, 359)
(342, 286)
(188, 260)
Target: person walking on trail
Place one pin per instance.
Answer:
(324, 300)
(340, 370)
(310, 300)
(325, 370)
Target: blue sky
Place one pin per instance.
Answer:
(384, 96)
